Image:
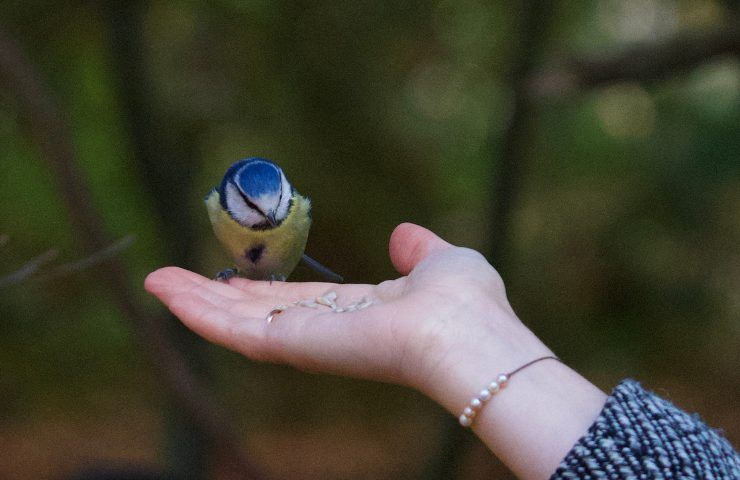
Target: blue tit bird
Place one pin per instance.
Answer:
(262, 222)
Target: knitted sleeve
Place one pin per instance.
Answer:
(639, 435)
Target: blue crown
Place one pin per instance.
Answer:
(253, 176)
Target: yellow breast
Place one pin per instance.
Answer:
(263, 254)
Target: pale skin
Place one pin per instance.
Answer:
(444, 328)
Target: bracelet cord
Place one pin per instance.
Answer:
(549, 357)
(477, 403)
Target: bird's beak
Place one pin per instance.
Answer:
(271, 219)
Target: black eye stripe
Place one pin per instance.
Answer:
(249, 203)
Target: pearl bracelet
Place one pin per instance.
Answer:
(477, 403)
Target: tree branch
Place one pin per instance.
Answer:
(29, 268)
(647, 62)
(508, 163)
(89, 261)
(48, 130)
(507, 167)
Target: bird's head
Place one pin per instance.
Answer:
(256, 193)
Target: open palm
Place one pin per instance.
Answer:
(418, 323)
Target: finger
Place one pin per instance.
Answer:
(170, 281)
(410, 244)
(288, 292)
(308, 338)
(204, 306)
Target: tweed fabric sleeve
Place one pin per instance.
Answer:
(639, 435)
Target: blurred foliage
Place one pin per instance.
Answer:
(625, 247)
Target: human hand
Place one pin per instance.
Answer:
(444, 328)
(448, 312)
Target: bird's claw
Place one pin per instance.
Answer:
(226, 275)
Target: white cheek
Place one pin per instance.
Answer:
(282, 209)
(240, 211)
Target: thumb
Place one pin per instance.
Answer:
(410, 244)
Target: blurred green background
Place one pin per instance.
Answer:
(612, 210)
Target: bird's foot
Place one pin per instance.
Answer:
(226, 275)
(277, 278)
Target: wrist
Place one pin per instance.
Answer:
(534, 421)
(469, 364)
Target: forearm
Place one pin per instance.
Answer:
(536, 419)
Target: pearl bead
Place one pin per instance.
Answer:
(465, 421)
(477, 402)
